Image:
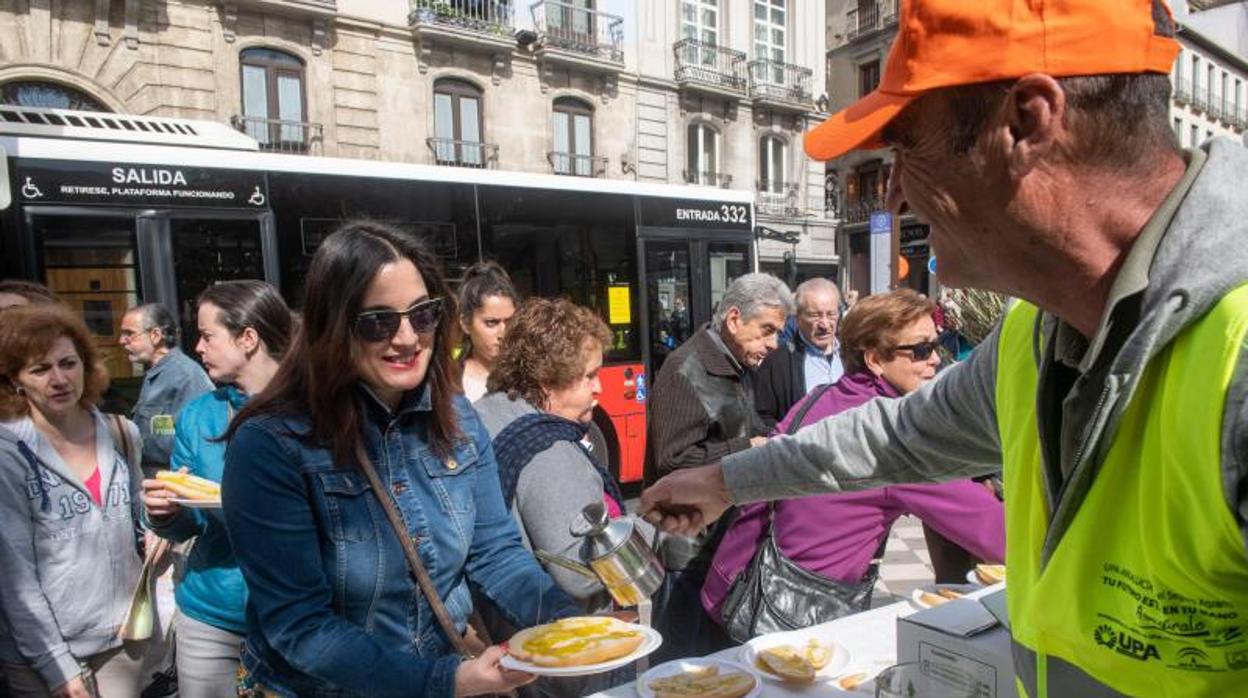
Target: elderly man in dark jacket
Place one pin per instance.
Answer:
(811, 358)
(702, 409)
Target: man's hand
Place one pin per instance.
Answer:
(486, 675)
(74, 688)
(687, 501)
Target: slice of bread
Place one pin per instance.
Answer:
(704, 682)
(932, 599)
(577, 641)
(990, 574)
(949, 593)
(189, 486)
(817, 653)
(851, 682)
(787, 663)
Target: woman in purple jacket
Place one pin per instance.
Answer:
(888, 346)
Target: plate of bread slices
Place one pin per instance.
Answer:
(800, 657)
(986, 575)
(193, 492)
(579, 646)
(932, 595)
(700, 678)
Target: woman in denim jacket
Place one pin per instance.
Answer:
(333, 609)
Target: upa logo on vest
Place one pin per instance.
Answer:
(1125, 643)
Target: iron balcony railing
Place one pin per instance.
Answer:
(1215, 106)
(1200, 100)
(496, 17)
(1240, 119)
(870, 17)
(777, 199)
(709, 64)
(279, 135)
(1183, 91)
(579, 29)
(707, 178)
(576, 165)
(860, 211)
(456, 153)
(783, 81)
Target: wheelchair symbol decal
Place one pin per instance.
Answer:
(30, 191)
(257, 199)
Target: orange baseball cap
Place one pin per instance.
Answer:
(944, 43)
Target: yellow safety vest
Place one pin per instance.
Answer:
(1147, 591)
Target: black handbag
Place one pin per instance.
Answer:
(774, 594)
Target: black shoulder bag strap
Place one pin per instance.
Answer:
(413, 558)
(798, 422)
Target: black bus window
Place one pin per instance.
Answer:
(577, 245)
(308, 207)
(206, 251)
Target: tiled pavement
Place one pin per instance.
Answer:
(906, 565)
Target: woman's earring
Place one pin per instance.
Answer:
(21, 392)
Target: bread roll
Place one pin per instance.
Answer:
(577, 641)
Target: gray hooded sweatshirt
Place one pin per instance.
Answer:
(67, 566)
(947, 430)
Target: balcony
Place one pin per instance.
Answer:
(455, 153)
(777, 199)
(860, 211)
(1214, 111)
(869, 18)
(276, 135)
(707, 179)
(1200, 100)
(576, 165)
(1183, 91)
(781, 86)
(483, 23)
(708, 67)
(578, 36)
(1238, 119)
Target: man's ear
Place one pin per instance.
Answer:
(1035, 112)
(732, 320)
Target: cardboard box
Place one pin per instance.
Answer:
(962, 644)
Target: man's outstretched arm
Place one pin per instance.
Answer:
(945, 431)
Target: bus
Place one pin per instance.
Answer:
(112, 210)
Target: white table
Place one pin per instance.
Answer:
(870, 637)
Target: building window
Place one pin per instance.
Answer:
(47, 95)
(1178, 130)
(699, 19)
(457, 123)
(703, 155)
(1222, 94)
(1209, 73)
(573, 127)
(1195, 75)
(771, 157)
(868, 77)
(770, 27)
(273, 106)
(1195, 131)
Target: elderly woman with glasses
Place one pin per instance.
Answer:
(361, 443)
(888, 346)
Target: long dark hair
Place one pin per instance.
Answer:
(250, 303)
(482, 280)
(318, 376)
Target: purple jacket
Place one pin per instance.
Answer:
(837, 534)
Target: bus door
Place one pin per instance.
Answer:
(105, 260)
(684, 277)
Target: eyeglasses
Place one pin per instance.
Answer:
(382, 325)
(921, 351)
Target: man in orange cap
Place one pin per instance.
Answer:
(1033, 137)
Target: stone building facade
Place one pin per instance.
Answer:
(578, 87)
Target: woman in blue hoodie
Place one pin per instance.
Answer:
(244, 329)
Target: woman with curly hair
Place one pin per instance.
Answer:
(538, 411)
(69, 476)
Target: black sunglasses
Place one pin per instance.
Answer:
(382, 325)
(921, 351)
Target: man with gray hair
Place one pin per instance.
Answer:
(149, 334)
(701, 410)
(810, 358)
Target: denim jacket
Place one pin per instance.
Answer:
(333, 609)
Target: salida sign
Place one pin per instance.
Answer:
(51, 181)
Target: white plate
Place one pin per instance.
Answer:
(651, 643)
(679, 666)
(798, 639)
(917, 601)
(197, 503)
